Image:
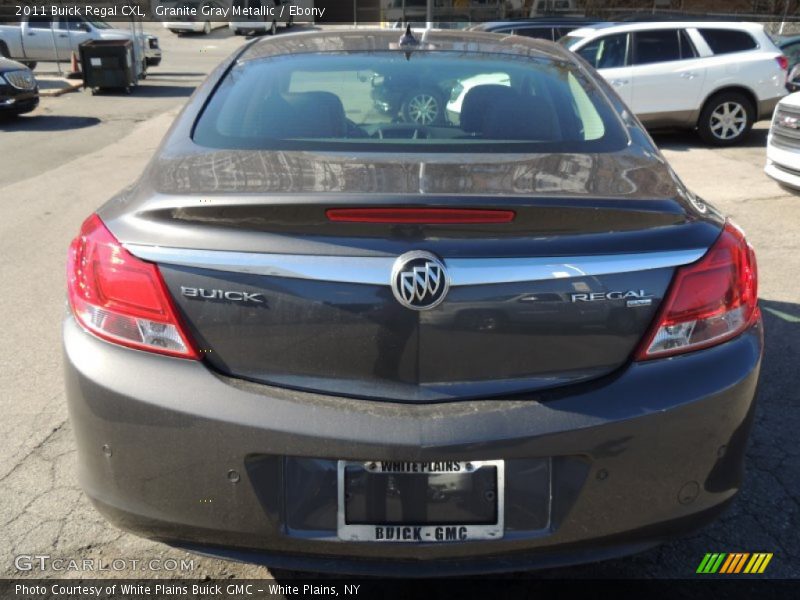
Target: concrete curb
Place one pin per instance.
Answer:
(71, 86)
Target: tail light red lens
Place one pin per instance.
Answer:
(119, 297)
(709, 302)
(783, 62)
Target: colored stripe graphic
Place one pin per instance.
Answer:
(758, 563)
(729, 563)
(715, 567)
(711, 562)
(741, 562)
(741, 558)
(703, 564)
(724, 563)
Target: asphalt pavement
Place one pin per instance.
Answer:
(76, 150)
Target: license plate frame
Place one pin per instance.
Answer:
(427, 533)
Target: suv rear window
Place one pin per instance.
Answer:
(431, 102)
(727, 41)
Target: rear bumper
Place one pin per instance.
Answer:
(639, 457)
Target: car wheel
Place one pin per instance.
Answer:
(273, 28)
(175, 31)
(422, 107)
(726, 118)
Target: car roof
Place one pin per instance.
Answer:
(381, 40)
(649, 25)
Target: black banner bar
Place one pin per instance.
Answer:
(485, 588)
(392, 11)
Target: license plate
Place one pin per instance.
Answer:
(437, 501)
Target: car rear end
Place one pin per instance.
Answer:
(356, 345)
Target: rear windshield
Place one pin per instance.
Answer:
(430, 102)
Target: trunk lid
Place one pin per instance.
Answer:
(274, 292)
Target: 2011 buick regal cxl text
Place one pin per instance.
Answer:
(314, 335)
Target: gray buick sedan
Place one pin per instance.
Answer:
(324, 335)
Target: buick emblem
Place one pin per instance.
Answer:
(419, 280)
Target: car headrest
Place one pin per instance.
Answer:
(301, 115)
(477, 101)
(523, 118)
(324, 110)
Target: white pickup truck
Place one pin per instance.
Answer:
(54, 39)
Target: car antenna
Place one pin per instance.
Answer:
(407, 40)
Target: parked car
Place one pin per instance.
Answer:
(291, 347)
(783, 143)
(717, 78)
(19, 92)
(545, 28)
(279, 9)
(413, 97)
(207, 15)
(47, 39)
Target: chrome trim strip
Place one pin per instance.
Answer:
(377, 270)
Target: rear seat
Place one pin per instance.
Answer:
(498, 112)
(301, 115)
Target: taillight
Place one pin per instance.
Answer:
(709, 301)
(783, 62)
(119, 297)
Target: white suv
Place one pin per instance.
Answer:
(719, 78)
